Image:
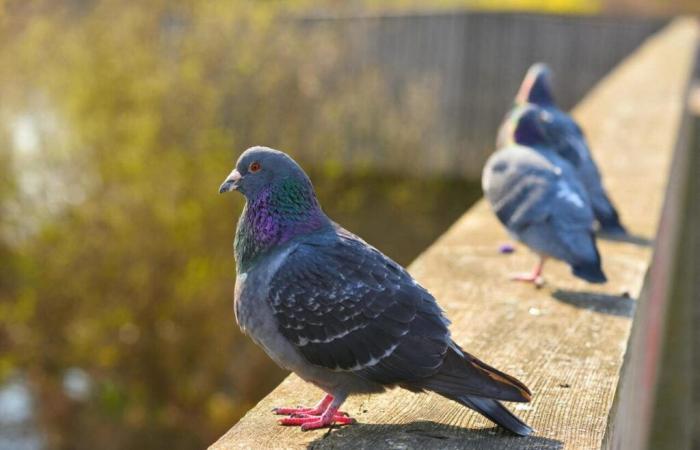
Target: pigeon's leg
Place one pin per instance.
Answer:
(535, 276)
(329, 417)
(316, 410)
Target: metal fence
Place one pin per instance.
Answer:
(475, 62)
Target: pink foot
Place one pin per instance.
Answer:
(301, 410)
(296, 411)
(314, 422)
(322, 415)
(535, 279)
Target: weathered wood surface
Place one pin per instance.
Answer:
(565, 341)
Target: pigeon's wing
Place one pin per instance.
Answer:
(571, 144)
(564, 226)
(566, 136)
(570, 207)
(347, 307)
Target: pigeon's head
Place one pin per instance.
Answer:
(536, 87)
(261, 168)
(529, 125)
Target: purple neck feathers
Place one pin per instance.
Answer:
(277, 215)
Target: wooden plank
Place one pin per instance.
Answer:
(654, 381)
(565, 341)
(669, 416)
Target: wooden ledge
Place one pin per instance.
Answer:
(566, 341)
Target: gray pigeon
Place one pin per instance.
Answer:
(567, 140)
(537, 195)
(336, 311)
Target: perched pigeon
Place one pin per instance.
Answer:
(336, 311)
(536, 194)
(567, 140)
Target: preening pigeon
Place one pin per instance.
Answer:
(567, 140)
(536, 194)
(336, 311)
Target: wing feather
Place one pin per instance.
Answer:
(346, 306)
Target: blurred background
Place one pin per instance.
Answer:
(119, 120)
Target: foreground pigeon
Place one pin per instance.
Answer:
(567, 140)
(336, 311)
(538, 197)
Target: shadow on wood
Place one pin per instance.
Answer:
(628, 238)
(427, 435)
(616, 305)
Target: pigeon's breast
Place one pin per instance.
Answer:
(254, 314)
(252, 310)
(240, 283)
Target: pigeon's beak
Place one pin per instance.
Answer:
(231, 182)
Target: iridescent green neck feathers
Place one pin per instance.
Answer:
(279, 213)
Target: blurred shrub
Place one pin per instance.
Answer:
(120, 119)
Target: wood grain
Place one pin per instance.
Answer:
(567, 340)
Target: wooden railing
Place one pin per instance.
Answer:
(572, 343)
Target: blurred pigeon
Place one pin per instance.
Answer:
(567, 140)
(536, 194)
(336, 311)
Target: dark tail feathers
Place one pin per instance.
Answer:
(607, 217)
(462, 374)
(590, 270)
(497, 413)
(611, 224)
(473, 383)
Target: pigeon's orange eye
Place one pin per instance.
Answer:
(254, 167)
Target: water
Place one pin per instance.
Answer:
(17, 428)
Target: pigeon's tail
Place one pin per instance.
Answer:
(590, 272)
(473, 383)
(606, 214)
(610, 223)
(497, 413)
(590, 269)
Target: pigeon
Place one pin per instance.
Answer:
(331, 308)
(568, 141)
(539, 198)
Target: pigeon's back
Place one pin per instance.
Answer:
(516, 181)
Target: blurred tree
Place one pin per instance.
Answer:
(121, 119)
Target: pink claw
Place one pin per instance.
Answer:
(309, 422)
(322, 415)
(534, 277)
(301, 410)
(296, 411)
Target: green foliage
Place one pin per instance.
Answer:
(114, 244)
